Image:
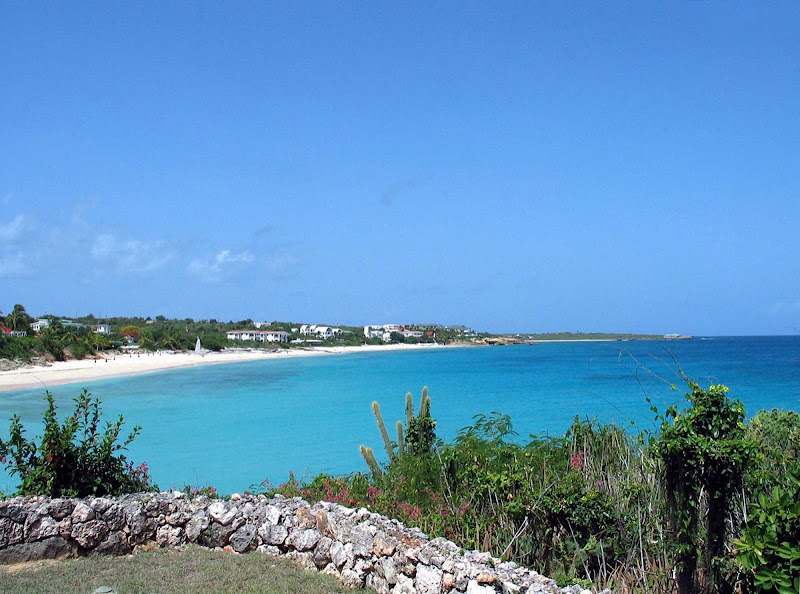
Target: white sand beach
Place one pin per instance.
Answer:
(89, 370)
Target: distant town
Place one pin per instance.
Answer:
(53, 337)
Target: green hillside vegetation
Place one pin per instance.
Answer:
(709, 496)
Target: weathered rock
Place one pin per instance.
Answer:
(59, 509)
(273, 534)
(485, 577)
(304, 560)
(475, 588)
(383, 546)
(377, 583)
(222, 512)
(385, 568)
(306, 518)
(448, 581)
(82, 513)
(88, 534)
(41, 528)
(196, 524)
(115, 543)
(338, 554)
(170, 536)
(362, 542)
(55, 547)
(100, 505)
(273, 514)
(243, 539)
(14, 509)
(428, 580)
(11, 532)
(405, 585)
(322, 552)
(216, 535)
(303, 540)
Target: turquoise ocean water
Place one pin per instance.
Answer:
(234, 425)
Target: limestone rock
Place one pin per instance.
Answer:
(242, 539)
(114, 544)
(338, 554)
(55, 547)
(322, 552)
(216, 535)
(43, 527)
(428, 580)
(303, 540)
(82, 513)
(273, 534)
(405, 585)
(475, 588)
(88, 534)
(11, 532)
(169, 536)
(59, 509)
(14, 509)
(377, 583)
(196, 524)
(222, 512)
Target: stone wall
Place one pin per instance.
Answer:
(358, 547)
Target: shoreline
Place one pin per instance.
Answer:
(128, 364)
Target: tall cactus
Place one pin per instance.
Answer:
(416, 439)
(387, 443)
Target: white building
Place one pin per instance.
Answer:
(259, 335)
(101, 329)
(323, 332)
(40, 325)
(373, 331)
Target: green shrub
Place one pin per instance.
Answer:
(73, 459)
(769, 549)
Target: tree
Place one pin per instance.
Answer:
(132, 332)
(705, 456)
(73, 459)
(19, 319)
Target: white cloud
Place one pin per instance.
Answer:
(131, 255)
(222, 264)
(13, 229)
(12, 264)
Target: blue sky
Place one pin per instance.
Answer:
(614, 166)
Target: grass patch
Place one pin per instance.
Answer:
(193, 569)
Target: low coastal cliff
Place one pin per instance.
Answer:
(358, 547)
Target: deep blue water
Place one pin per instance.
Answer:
(236, 424)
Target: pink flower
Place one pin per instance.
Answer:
(577, 460)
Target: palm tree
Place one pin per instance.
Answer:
(18, 319)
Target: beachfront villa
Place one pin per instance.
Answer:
(259, 335)
(323, 332)
(373, 331)
(40, 325)
(101, 329)
(10, 332)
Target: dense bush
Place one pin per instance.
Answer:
(600, 504)
(74, 459)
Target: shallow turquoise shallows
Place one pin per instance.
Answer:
(234, 425)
